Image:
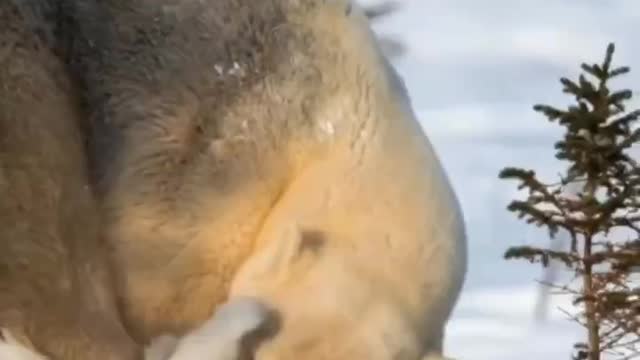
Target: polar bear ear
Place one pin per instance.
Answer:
(280, 256)
(290, 248)
(280, 253)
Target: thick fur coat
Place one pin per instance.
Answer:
(266, 148)
(56, 290)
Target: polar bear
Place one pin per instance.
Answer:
(232, 333)
(55, 282)
(222, 128)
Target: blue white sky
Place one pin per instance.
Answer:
(474, 69)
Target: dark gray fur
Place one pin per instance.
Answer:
(56, 285)
(126, 52)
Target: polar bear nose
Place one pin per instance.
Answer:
(266, 330)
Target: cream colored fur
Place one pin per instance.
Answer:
(364, 254)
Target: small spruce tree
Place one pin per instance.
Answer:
(598, 135)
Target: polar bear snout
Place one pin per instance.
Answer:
(249, 320)
(266, 330)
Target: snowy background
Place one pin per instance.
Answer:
(474, 69)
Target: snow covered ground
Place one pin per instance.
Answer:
(474, 70)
